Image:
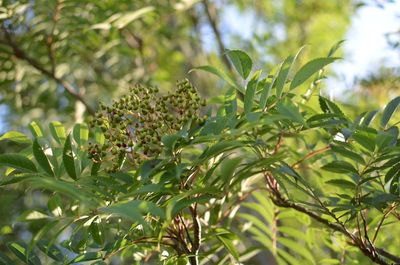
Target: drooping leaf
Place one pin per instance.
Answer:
(310, 69)
(17, 161)
(389, 110)
(340, 167)
(241, 61)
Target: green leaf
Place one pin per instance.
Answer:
(57, 131)
(226, 238)
(16, 137)
(340, 167)
(21, 252)
(342, 183)
(265, 92)
(35, 129)
(228, 168)
(347, 153)
(328, 106)
(41, 158)
(389, 110)
(126, 18)
(169, 142)
(17, 161)
(69, 158)
(368, 118)
(73, 191)
(81, 134)
(250, 92)
(5, 260)
(284, 72)
(217, 149)
(55, 205)
(50, 250)
(86, 257)
(335, 48)
(134, 210)
(309, 69)
(290, 111)
(241, 61)
(219, 73)
(97, 233)
(365, 138)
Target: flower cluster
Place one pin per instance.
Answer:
(133, 125)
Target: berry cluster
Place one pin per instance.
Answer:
(133, 125)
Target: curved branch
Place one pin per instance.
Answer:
(20, 54)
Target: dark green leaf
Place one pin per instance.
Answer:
(69, 158)
(389, 110)
(17, 161)
(51, 250)
(86, 257)
(250, 92)
(21, 252)
(347, 153)
(290, 111)
(267, 89)
(340, 167)
(284, 72)
(365, 139)
(5, 260)
(342, 183)
(41, 158)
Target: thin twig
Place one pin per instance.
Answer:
(213, 23)
(310, 155)
(381, 222)
(50, 37)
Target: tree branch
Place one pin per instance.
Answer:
(194, 260)
(375, 254)
(20, 54)
(213, 23)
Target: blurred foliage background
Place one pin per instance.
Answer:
(59, 58)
